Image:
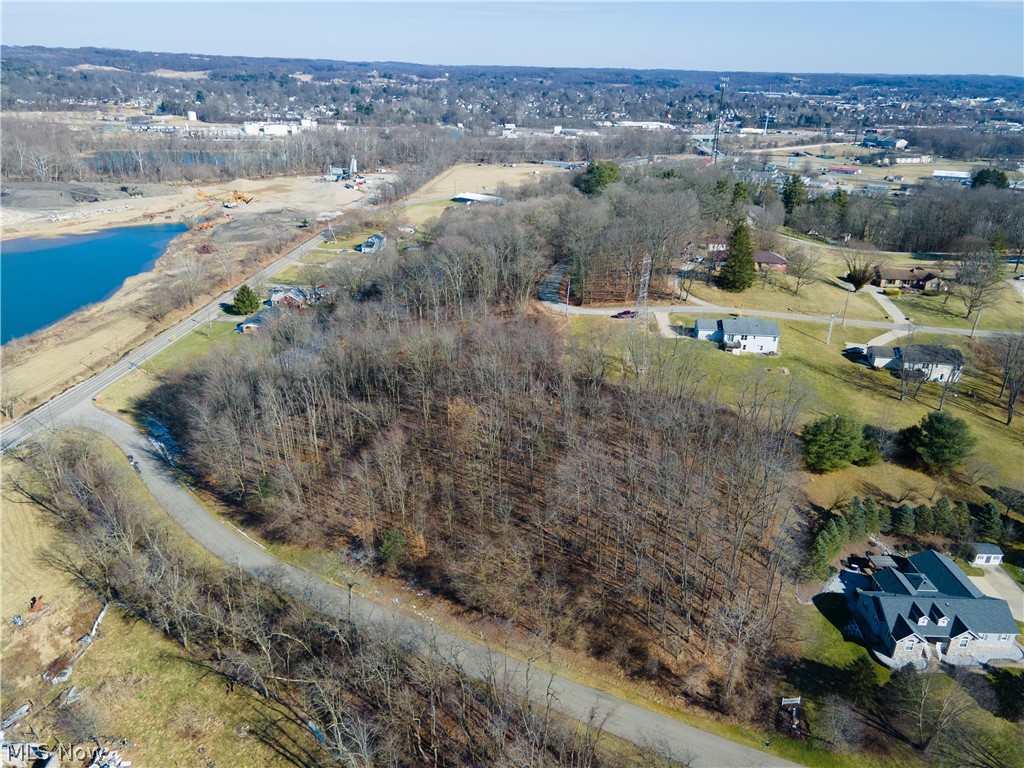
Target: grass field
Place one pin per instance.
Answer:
(141, 685)
(831, 383)
(478, 177)
(1006, 312)
(817, 299)
(121, 396)
(419, 214)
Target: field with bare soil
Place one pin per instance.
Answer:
(49, 361)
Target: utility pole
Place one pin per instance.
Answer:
(568, 286)
(830, 324)
(847, 304)
(718, 123)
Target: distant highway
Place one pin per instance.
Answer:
(47, 415)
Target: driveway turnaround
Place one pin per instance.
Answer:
(619, 717)
(997, 583)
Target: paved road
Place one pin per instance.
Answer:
(997, 583)
(560, 308)
(624, 719)
(48, 414)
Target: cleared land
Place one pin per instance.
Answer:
(475, 177)
(49, 361)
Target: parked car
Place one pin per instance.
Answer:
(626, 313)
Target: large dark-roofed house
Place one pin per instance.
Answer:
(926, 608)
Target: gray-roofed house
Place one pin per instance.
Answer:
(883, 357)
(933, 362)
(373, 243)
(987, 554)
(741, 334)
(926, 608)
(259, 322)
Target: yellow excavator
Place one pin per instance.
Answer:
(204, 196)
(238, 197)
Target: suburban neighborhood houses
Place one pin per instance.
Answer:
(925, 608)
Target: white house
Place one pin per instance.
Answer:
(741, 334)
(933, 362)
(987, 554)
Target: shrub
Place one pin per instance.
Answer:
(892, 292)
(392, 547)
(835, 442)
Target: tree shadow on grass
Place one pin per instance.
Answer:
(272, 722)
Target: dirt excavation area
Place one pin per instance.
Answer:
(221, 246)
(227, 239)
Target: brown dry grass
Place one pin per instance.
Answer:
(143, 688)
(470, 177)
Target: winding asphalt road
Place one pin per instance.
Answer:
(617, 716)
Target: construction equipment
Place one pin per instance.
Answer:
(205, 225)
(238, 197)
(205, 196)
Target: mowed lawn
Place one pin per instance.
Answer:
(1004, 313)
(776, 295)
(830, 383)
(121, 397)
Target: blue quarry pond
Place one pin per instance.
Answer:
(44, 280)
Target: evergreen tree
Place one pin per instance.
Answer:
(833, 538)
(740, 193)
(942, 516)
(246, 301)
(903, 520)
(990, 522)
(841, 200)
(924, 520)
(884, 519)
(961, 519)
(832, 443)
(858, 520)
(843, 526)
(794, 193)
(738, 271)
(597, 176)
(871, 521)
(941, 441)
(818, 559)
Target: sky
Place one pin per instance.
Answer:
(870, 36)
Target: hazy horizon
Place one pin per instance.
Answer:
(866, 38)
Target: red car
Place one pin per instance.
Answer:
(626, 313)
